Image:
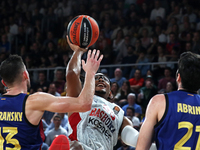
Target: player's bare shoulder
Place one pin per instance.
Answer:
(157, 99)
(157, 104)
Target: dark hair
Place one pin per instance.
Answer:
(189, 69)
(128, 90)
(11, 68)
(57, 116)
(116, 84)
(131, 108)
(168, 68)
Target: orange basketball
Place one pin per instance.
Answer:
(83, 31)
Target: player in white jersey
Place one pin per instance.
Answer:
(99, 128)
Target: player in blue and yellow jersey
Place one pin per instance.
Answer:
(174, 118)
(20, 114)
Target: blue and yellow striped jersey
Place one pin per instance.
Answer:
(179, 129)
(16, 131)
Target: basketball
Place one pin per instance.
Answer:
(83, 31)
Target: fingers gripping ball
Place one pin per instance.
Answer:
(83, 31)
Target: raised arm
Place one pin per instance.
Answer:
(39, 102)
(73, 70)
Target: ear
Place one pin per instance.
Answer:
(178, 78)
(110, 95)
(25, 74)
(3, 83)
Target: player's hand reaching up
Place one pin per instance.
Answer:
(75, 47)
(93, 61)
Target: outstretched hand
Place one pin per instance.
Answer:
(93, 61)
(75, 47)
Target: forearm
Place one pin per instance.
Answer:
(87, 93)
(75, 63)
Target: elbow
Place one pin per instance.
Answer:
(86, 105)
(70, 74)
(87, 108)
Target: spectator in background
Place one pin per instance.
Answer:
(152, 49)
(47, 116)
(64, 122)
(117, 42)
(130, 112)
(133, 20)
(157, 11)
(137, 81)
(162, 38)
(66, 8)
(4, 44)
(59, 80)
(52, 61)
(172, 42)
(36, 52)
(138, 47)
(142, 59)
(160, 22)
(186, 29)
(145, 11)
(173, 58)
(169, 88)
(132, 103)
(160, 57)
(118, 77)
(37, 27)
(129, 59)
(13, 26)
(123, 51)
(175, 13)
(107, 29)
(57, 130)
(167, 78)
(196, 43)
(145, 25)
(188, 46)
(146, 93)
(51, 49)
(21, 37)
(189, 12)
(104, 71)
(121, 97)
(38, 38)
(36, 16)
(114, 89)
(145, 39)
(42, 81)
(50, 38)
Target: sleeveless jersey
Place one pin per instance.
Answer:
(98, 128)
(16, 132)
(179, 128)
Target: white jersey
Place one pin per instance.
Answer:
(98, 128)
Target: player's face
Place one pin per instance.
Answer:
(102, 83)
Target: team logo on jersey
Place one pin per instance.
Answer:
(116, 110)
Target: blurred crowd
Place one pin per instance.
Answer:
(131, 32)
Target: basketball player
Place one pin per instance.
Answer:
(20, 114)
(174, 117)
(99, 128)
